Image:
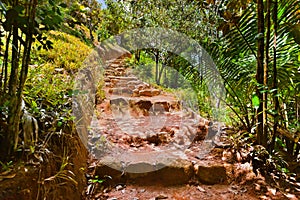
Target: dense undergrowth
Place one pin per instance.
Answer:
(49, 89)
(58, 158)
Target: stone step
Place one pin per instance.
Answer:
(154, 105)
(148, 92)
(124, 78)
(120, 91)
(164, 172)
(114, 73)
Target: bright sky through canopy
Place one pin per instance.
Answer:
(103, 5)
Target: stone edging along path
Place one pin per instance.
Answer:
(144, 135)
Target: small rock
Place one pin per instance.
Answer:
(243, 190)
(113, 198)
(187, 151)
(200, 189)
(271, 190)
(233, 189)
(142, 191)
(133, 190)
(119, 187)
(135, 198)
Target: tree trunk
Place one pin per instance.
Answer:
(266, 66)
(13, 95)
(156, 66)
(91, 31)
(261, 136)
(160, 73)
(137, 56)
(275, 82)
(14, 107)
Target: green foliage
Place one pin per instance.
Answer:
(237, 62)
(97, 180)
(255, 101)
(68, 52)
(144, 68)
(186, 88)
(22, 23)
(6, 166)
(49, 89)
(83, 19)
(273, 166)
(50, 14)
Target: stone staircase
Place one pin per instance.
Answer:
(144, 135)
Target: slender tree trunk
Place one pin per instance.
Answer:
(137, 56)
(275, 82)
(91, 33)
(297, 107)
(161, 72)
(14, 107)
(5, 80)
(266, 66)
(156, 66)
(261, 136)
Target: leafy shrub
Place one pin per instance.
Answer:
(49, 88)
(68, 52)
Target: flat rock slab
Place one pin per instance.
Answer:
(149, 92)
(166, 171)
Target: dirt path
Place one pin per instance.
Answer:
(147, 145)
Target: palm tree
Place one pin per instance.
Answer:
(255, 59)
